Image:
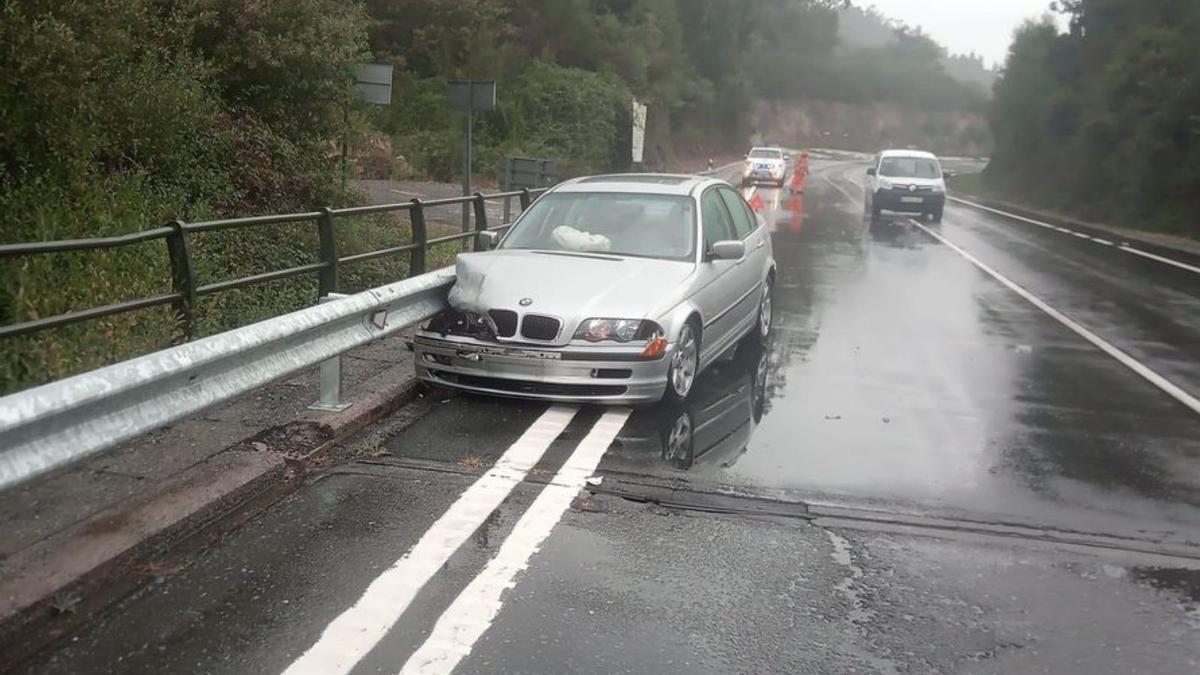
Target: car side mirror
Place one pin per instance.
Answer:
(486, 240)
(871, 171)
(728, 250)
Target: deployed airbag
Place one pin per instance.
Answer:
(575, 240)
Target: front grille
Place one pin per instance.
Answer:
(538, 327)
(505, 320)
(529, 387)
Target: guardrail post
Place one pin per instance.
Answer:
(507, 210)
(183, 281)
(331, 374)
(420, 238)
(481, 222)
(327, 278)
(526, 198)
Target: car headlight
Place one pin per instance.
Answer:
(885, 185)
(938, 189)
(617, 330)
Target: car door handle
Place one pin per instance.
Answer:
(761, 243)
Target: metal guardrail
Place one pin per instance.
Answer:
(52, 425)
(186, 290)
(58, 423)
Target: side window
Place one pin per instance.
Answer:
(744, 221)
(716, 219)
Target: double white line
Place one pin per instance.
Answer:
(356, 631)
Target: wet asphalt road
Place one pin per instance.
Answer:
(923, 472)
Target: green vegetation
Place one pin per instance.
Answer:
(1101, 121)
(121, 115)
(566, 70)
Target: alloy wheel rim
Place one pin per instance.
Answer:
(683, 370)
(764, 313)
(677, 440)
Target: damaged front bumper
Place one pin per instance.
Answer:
(592, 373)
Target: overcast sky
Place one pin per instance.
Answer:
(964, 26)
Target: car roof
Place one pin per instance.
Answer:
(641, 183)
(908, 153)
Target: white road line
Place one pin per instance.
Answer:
(1123, 247)
(472, 612)
(1159, 258)
(839, 188)
(1126, 360)
(352, 634)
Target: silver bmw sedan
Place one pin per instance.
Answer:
(607, 289)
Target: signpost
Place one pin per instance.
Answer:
(639, 132)
(518, 173)
(373, 84)
(470, 96)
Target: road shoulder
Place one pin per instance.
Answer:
(72, 537)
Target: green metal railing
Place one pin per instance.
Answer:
(186, 291)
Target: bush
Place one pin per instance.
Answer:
(121, 115)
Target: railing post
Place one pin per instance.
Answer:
(481, 222)
(327, 278)
(183, 281)
(331, 374)
(420, 238)
(526, 198)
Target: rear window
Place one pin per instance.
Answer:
(766, 153)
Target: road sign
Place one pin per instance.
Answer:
(639, 131)
(527, 172)
(472, 95)
(373, 82)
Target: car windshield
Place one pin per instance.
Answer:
(765, 153)
(909, 167)
(639, 225)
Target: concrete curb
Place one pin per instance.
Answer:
(56, 585)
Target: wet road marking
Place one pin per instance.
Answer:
(1099, 240)
(1159, 258)
(472, 612)
(356, 631)
(1173, 390)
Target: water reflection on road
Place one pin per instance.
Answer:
(898, 374)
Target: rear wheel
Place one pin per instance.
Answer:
(685, 364)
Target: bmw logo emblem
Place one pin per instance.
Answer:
(525, 302)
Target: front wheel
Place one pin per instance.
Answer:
(685, 364)
(935, 216)
(765, 315)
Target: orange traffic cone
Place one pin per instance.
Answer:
(798, 177)
(756, 204)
